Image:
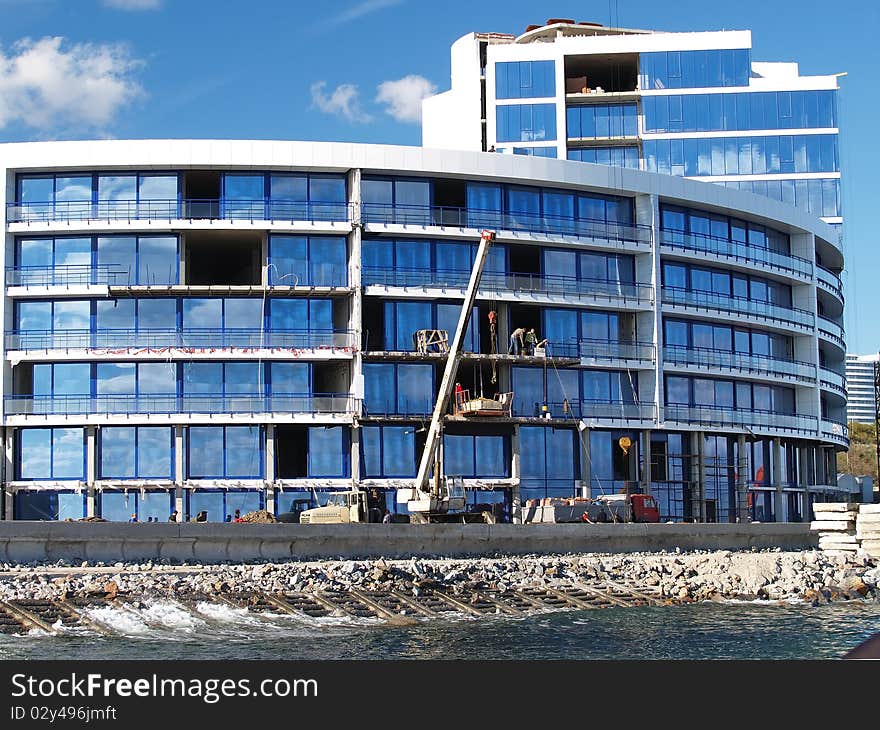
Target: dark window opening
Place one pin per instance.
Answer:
(450, 193)
(201, 190)
(523, 315)
(223, 259)
(291, 452)
(618, 72)
(374, 325)
(23, 379)
(525, 260)
(331, 377)
(476, 378)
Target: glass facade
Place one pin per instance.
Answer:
(525, 79)
(525, 123)
(602, 120)
(695, 69)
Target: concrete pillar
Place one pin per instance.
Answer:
(515, 475)
(355, 455)
(264, 261)
(586, 472)
(181, 263)
(742, 491)
(270, 469)
(91, 469)
(778, 496)
(179, 473)
(646, 461)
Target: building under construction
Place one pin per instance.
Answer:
(212, 326)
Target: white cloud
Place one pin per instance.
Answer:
(364, 8)
(133, 4)
(45, 84)
(403, 98)
(343, 101)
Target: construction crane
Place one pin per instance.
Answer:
(439, 496)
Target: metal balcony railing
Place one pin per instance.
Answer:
(739, 305)
(745, 418)
(601, 349)
(830, 281)
(186, 338)
(764, 364)
(320, 403)
(736, 251)
(67, 275)
(190, 208)
(565, 286)
(595, 409)
(832, 380)
(833, 331)
(425, 215)
(835, 430)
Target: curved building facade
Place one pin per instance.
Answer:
(228, 325)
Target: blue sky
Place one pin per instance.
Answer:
(353, 70)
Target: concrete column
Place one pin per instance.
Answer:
(698, 476)
(270, 469)
(778, 496)
(91, 469)
(646, 461)
(515, 475)
(264, 261)
(179, 473)
(586, 472)
(355, 455)
(181, 263)
(742, 492)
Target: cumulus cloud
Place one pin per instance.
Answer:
(403, 98)
(133, 4)
(343, 100)
(46, 84)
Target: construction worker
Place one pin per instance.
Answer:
(516, 341)
(531, 340)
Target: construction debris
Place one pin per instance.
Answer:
(868, 529)
(836, 524)
(260, 517)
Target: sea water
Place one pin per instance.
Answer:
(164, 629)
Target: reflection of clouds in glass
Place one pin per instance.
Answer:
(116, 379)
(67, 453)
(117, 314)
(35, 454)
(157, 260)
(155, 378)
(154, 453)
(242, 377)
(206, 451)
(243, 451)
(117, 452)
(123, 187)
(117, 506)
(35, 316)
(71, 315)
(203, 377)
(71, 379)
(73, 189)
(202, 313)
(157, 314)
(158, 187)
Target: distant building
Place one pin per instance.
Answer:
(860, 387)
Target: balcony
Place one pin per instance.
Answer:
(829, 281)
(414, 215)
(594, 410)
(188, 209)
(70, 275)
(832, 332)
(570, 288)
(106, 405)
(724, 305)
(832, 381)
(606, 350)
(834, 431)
(734, 251)
(738, 362)
(130, 339)
(723, 417)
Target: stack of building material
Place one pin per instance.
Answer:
(868, 529)
(836, 524)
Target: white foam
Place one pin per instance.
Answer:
(121, 621)
(224, 613)
(171, 616)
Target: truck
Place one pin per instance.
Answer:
(603, 509)
(353, 505)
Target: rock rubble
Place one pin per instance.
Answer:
(810, 575)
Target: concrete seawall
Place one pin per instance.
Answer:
(212, 543)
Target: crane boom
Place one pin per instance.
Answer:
(452, 361)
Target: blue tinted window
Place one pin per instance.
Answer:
(290, 377)
(328, 452)
(526, 122)
(695, 69)
(524, 79)
(205, 451)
